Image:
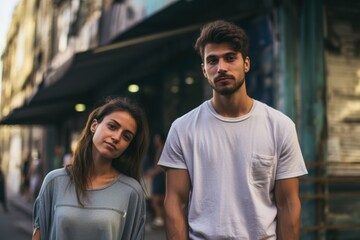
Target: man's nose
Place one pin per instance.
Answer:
(221, 66)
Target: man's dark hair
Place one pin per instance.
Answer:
(221, 31)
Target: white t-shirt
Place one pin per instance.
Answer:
(233, 164)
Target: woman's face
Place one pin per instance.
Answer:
(113, 135)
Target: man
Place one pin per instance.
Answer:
(232, 164)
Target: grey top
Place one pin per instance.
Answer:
(116, 211)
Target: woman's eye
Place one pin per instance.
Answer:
(112, 126)
(127, 137)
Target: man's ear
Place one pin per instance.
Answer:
(203, 70)
(247, 64)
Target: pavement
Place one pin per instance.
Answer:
(16, 224)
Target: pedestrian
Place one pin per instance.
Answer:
(232, 164)
(69, 156)
(58, 156)
(98, 195)
(25, 178)
(157, 175)
(36, 175)
(3, 198)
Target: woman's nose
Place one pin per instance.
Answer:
(115, 140)
(116, 137)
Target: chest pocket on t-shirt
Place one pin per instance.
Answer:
(261, 170)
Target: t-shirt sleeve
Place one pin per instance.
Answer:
(35, 214)
(291, 162)
(42, 210)
(139, 228)
(134, 228)
(172, 155)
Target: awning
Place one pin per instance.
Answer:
(92, 71)
(42, 114)
(136, 53)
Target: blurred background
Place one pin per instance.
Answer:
(60, 58)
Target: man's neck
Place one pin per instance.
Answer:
(232, 106)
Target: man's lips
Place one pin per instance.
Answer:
(223, 78)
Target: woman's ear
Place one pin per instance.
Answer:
(93, 125)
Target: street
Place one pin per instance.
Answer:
(16, 223)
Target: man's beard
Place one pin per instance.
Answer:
(229, 91)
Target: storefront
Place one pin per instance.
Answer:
(156, 53)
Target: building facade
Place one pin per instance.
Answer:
(61, 53)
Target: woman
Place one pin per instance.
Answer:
(98, 196)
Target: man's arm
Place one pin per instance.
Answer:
(289, 208)
(176, 203)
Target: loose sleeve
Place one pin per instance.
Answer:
(36, 215)
(42, 210)
(134, 228)
(139, 226)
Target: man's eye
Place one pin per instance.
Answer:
(230, 58)
(212, 61)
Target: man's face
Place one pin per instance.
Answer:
(224, 68)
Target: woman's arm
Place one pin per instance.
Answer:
(36, 234)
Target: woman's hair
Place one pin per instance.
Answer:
(128, 163)
(222, 32)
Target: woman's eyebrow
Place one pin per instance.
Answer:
(118, 124)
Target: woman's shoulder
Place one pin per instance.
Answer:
(53, 180)
(60, 172)
(131, 183)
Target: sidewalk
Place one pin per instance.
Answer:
(25, 208)
(16, 223)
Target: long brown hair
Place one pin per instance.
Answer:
(129, 163)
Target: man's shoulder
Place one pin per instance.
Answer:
(272, 113)
(189, 116)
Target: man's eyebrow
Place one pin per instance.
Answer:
(224, 54)
(211, 56)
